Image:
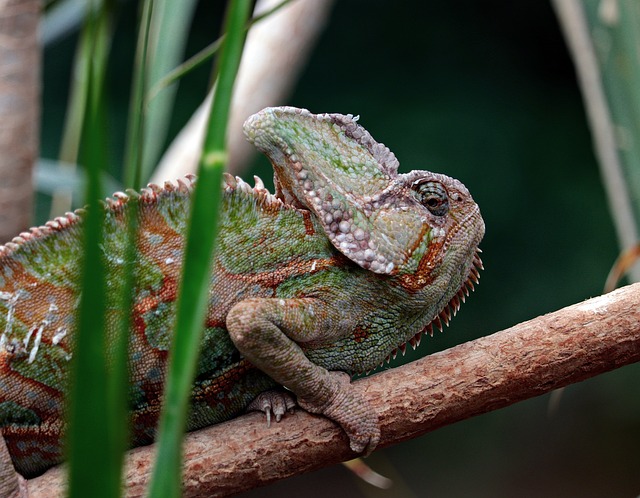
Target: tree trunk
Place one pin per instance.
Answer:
(19, 108)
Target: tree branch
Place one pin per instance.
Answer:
(492, 372)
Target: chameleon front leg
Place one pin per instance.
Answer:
(269, 331)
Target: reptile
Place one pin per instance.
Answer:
(342, 267)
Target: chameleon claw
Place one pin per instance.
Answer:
(275, 402)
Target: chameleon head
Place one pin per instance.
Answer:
(415, 226)
(444, 255)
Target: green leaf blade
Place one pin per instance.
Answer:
(193, 292)
(88, 404)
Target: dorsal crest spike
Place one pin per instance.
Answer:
(258, 183)
(182, 186)
(155, 188)
(229, 180)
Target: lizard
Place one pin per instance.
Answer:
(339, 269)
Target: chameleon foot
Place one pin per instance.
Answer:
(351, 410)
(274, 402)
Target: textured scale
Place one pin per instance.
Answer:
(336, 272)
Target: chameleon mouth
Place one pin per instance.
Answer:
(450, 310)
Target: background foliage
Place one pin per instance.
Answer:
(484, 92)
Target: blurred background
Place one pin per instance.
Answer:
(485, 92)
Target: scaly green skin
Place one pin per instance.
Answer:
(347, 263)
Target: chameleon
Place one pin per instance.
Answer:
(339, 269)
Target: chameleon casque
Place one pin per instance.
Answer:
(343, 266)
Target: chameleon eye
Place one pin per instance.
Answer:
(434, 197)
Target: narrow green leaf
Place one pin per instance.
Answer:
(77, 104)
(604, 38)
(51, 175)
(169, 30)
(89, 421)
(118, 349)
(119, 373)
(193, 292)
(616, 39)
(88, 50)
(136, 122)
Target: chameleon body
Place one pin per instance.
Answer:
(346, 263)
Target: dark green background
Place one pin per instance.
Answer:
(485, 92)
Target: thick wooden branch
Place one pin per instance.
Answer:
(527, 360)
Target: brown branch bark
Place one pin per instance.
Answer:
(12, 484)
(527, 360)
